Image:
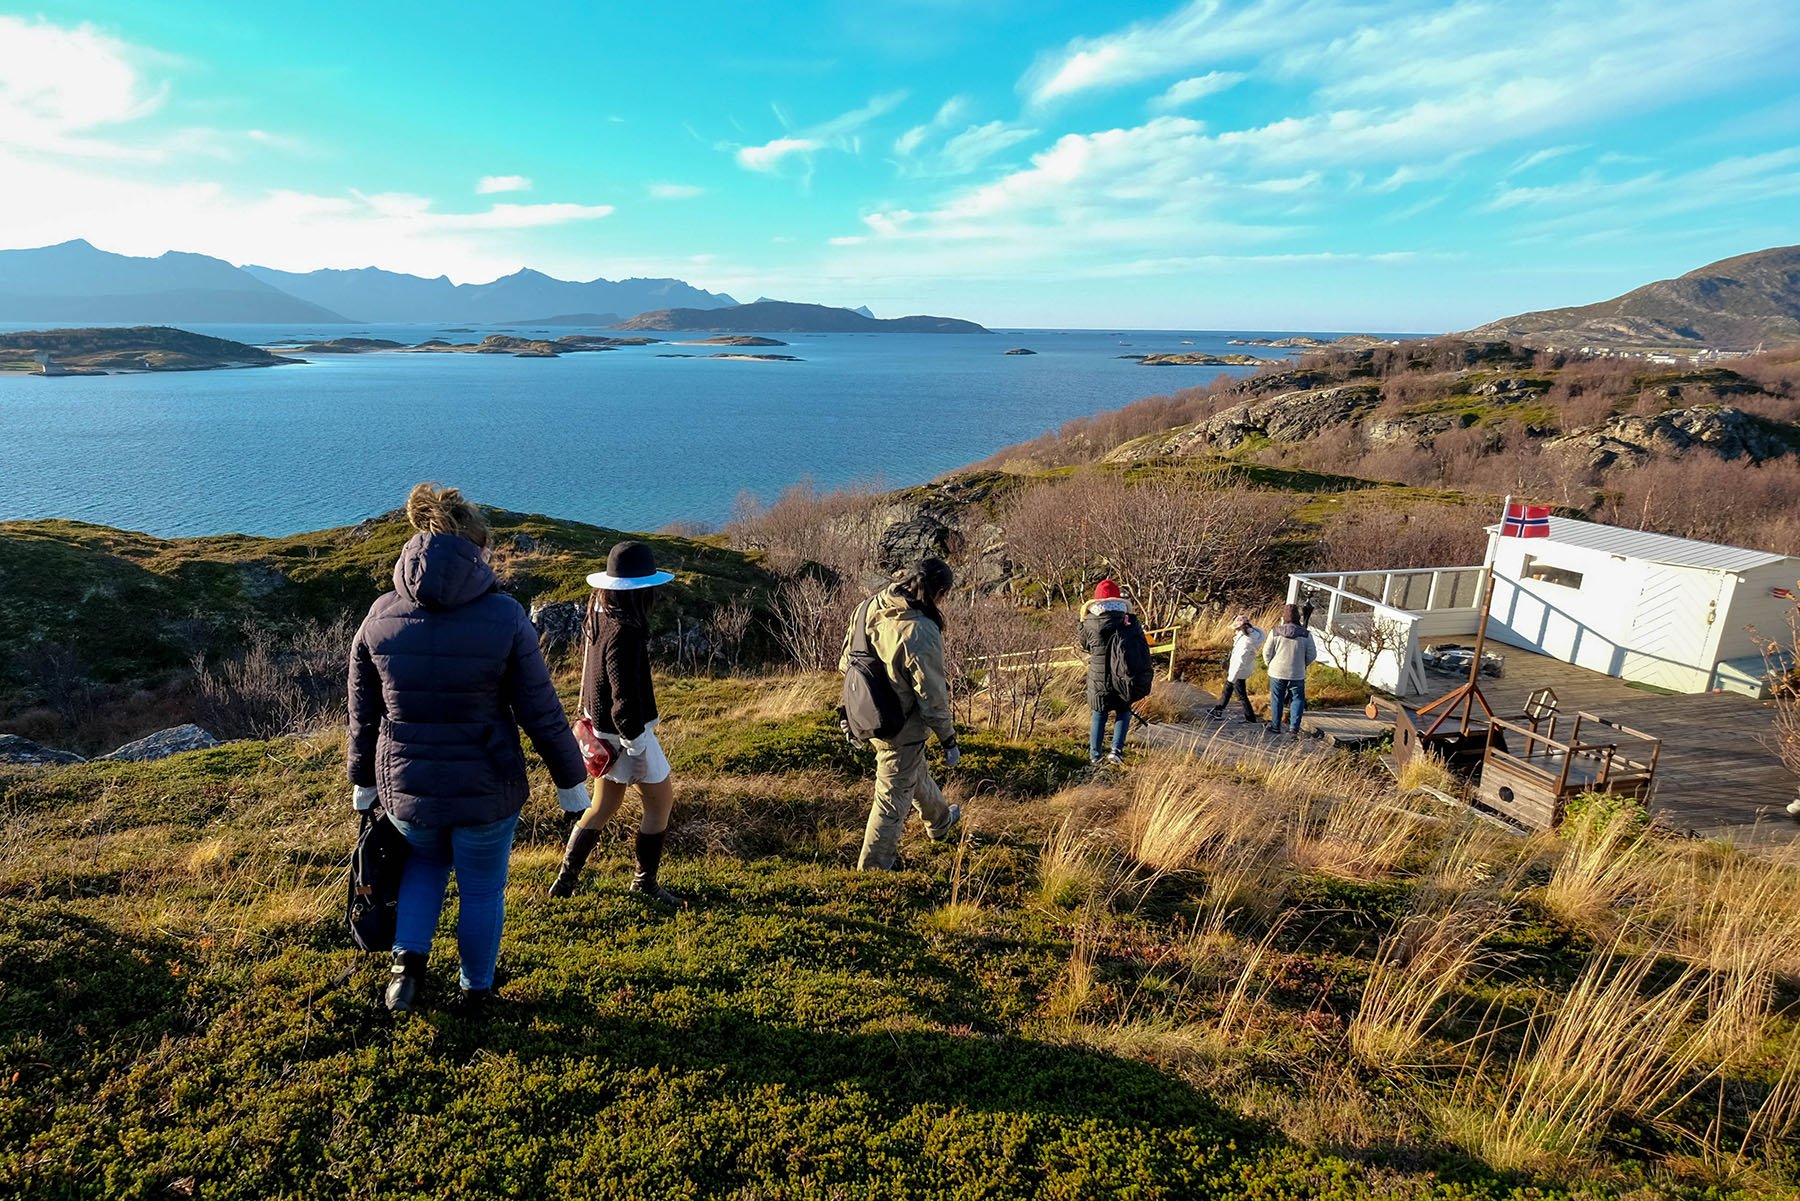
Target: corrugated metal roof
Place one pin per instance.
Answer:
(1655, 548)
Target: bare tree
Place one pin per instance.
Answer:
(727, 628)
(1002, 666)
(811, 615)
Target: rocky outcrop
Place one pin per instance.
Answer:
(1725, 431)
(1288, 417)
(176, 740)
(1195, 359)
(558, 624)
(1019, 350)
(1510, 390)
(923, 536)
(22, 752)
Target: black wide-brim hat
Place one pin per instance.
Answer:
(629, 566)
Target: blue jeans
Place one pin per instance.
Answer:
(1289, 695)
(1097, 734)
(481, 855)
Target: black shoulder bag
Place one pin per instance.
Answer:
(871, 707)
(375, 867)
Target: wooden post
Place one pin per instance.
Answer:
(1487, 601)
(1174, 644)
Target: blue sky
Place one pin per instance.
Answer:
(1282, 164)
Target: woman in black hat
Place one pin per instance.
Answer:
(617, 694)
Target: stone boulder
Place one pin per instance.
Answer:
(1727, 432)
(176, 740)
(923, 536)
(1512, 390)
(558, 623)
(22, 752)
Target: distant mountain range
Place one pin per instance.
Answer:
(373, 295)
(781, 316)
(79, 283)
(1738, 303)
(75, 282)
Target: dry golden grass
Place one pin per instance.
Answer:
(1070, 868)
(1416, 970)
(1426, 770)
(1603, 857)
(1615, 1045)
(786, 696)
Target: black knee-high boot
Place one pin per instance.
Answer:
(581, 845)
(649, 858)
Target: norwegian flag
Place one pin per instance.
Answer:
(1526, 521)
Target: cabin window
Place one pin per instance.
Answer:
(1548, 573)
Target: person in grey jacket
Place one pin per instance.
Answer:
(1288, 652)
(444, 672)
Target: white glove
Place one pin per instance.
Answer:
(573, 799)
(952, 755)
(363, 798)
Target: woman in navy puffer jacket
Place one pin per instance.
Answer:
(443, 674)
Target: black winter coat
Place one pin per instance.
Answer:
(1097, 633)
(616, 688)
(443, 673)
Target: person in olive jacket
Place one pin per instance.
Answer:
(444, 672)
(619, 696)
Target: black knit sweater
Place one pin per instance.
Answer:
(616, 689)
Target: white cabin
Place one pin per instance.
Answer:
(1669, 612)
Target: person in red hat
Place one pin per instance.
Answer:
(1105, 619)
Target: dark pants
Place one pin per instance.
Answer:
(1242, 690)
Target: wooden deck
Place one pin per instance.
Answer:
(1718, 776)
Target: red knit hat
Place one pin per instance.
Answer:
(1106, 590)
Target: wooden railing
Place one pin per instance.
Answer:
(1615, 766)
(1162, 642)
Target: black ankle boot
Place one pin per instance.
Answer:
(649, 858)
(405, 979)
(581, 845)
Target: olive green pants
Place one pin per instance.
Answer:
(902, 782)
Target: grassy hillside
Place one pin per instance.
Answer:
(84, 604)
(1272, 980)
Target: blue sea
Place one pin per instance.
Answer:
(620, 438)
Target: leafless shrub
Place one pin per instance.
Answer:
(1714, 500)
(811, 613)
(727, 628)
(1168, 544)
(839, 530)
(1002, 670)
(1432, 536)
(269, 689)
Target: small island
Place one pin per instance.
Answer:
(735, 340)
(780, 316)
(1018, 350)
(126, 351)
(747, 358)
(1195, 359)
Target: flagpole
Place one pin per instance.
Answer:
(1487, 603)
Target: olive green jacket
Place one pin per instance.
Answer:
(912, 647)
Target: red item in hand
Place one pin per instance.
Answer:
(598, 752)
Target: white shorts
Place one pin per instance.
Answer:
(648, 766)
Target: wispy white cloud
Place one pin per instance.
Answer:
(949, 113)
(1538, 158)
(840, 133)
(1186, 91)
(675, 191)
(767, 157)
(63, 87)
(487, 185)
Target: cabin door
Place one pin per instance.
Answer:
(1670, 628)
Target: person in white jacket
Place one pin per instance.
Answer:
(1289, 651)
(1244, 645)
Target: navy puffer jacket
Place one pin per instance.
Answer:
(443, 673)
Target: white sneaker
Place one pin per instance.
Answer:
(1794, 808)
(1115, 760)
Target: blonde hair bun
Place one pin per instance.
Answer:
(435, 510)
